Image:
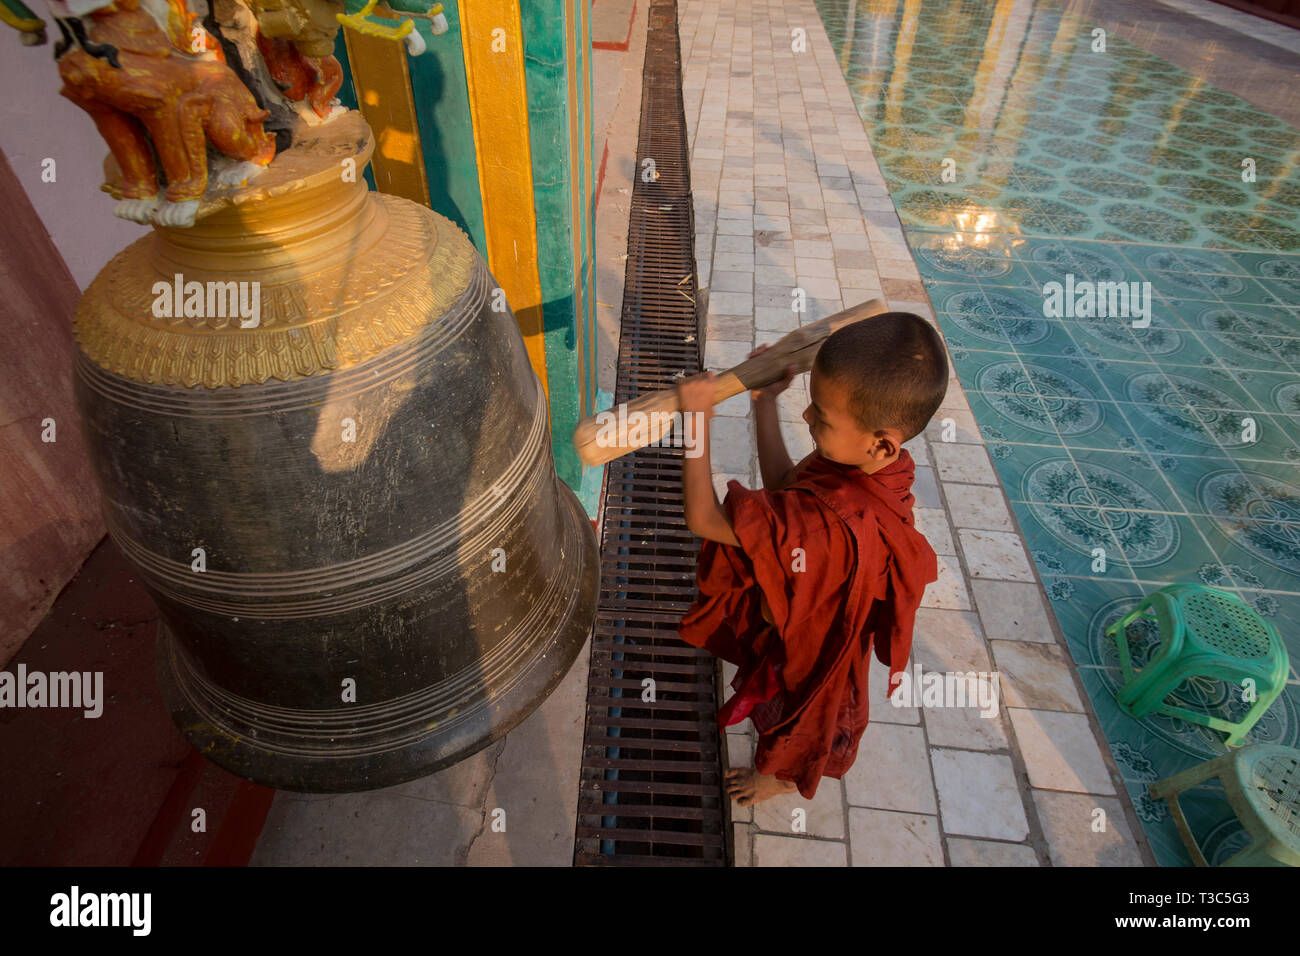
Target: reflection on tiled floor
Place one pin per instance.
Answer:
(1173, 447)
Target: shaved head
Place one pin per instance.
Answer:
(893, 367)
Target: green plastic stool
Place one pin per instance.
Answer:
(1262, 784)
(1204, 632)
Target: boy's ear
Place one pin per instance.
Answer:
(888, 443)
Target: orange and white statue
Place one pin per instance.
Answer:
(164, 80)
(141, 82)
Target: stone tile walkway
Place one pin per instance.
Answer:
(788, 197)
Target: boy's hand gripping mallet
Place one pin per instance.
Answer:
(799, 348)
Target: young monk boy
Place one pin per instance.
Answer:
(797, 581)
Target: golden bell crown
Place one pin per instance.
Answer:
(341, 272)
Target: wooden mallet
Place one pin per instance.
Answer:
(597, 442)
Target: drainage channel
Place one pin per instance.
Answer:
(651, 785)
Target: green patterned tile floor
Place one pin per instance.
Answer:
(1174, 447)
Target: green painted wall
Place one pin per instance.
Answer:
(446, 132)
(545, 73)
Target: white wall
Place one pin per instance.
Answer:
(35, 123)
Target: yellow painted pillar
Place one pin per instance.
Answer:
(383, 84)
(492, 39)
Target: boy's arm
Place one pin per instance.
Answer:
(704, 516)
(773, 460)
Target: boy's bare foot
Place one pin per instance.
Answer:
(747, 786)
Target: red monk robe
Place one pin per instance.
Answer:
(857, 579)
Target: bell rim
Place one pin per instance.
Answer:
(490, 719)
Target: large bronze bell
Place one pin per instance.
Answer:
(348, 514)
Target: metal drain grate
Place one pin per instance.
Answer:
(651, 789)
